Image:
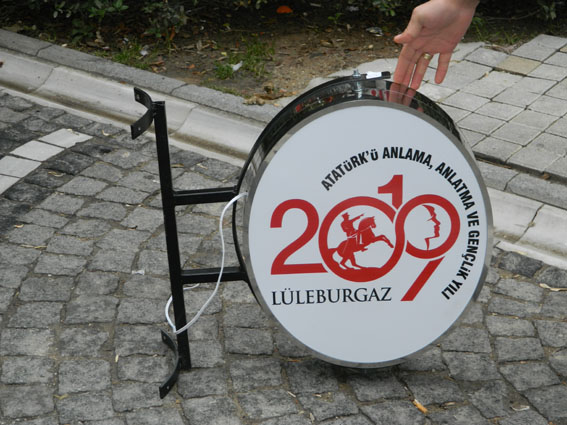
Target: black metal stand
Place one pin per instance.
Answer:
(170, 199)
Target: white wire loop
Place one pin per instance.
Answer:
(206, 304)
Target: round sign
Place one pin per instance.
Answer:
(366, 229)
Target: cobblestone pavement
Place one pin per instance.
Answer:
(83, 284)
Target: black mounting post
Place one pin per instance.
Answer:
(170, 199)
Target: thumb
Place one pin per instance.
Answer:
(410, 33)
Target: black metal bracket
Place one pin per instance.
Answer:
(170, 199)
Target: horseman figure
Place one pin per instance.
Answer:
(357, 239)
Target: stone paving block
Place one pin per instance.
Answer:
(554, 277)
(203, 382)
(127, 397)
(288, 346)
(36, 315)
(122, 195)
(550, 106)
(71, 163)
(524, 376)
(537, 48)
(83, 375)
(143, 368)
(65, 138)
(104, 210)
(16, 255)
(91, 406)
(6, 297)
(144, 219)
(466, 101)
(79, 341)
(12, 276)
(433, 389)
(125, 159)
(9, 116)
(345, 420)
(480, 123)
(515, 308)
(558, 59)
(140, 311)
(518, 289)
(517, 133)
(328, 405)
(30, 234)
(518, 349)
(211, 411)
(207, 354)
(545, 191)
(429, 360)
(253, 373)
(496, 149)
(36, 151)
(44, 218)
(459, 415)
(69, 245)
(245, 316)
(551, 143)
(141, 286)
(17, 167)
(558, 362)
(63, 204)
(248, 341)
(527, 417)
(83, 186)
(267, 404)
(112, 261)
(534, 119)
(141, 181)
(435, 92)
(558, 91)
(26, 342)
(237, 292)
(471, 366)
(501, 111)
(472, 340)
(549, 72)
(549, 401)
(559, 127)
(555, 305)
(519, 264)
(38, 125)
(534, 85)
(484, 88)
(487, 57)
(103, 171)
(27, 193)
(138, 339)
(394, 412)
(154, 416)
(492, 400)
(46, 288)
(6, 182)
(27, 370)
(534, 158)
(517, 97)
(518, 65)
(122, 240)
(60, 264)
(21, 401)
(91, 309)
(311, 376)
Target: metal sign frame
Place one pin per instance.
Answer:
(172, 198)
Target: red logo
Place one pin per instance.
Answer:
(363, 238)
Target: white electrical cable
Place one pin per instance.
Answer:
(200, 312)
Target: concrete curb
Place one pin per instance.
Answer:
(191, 109)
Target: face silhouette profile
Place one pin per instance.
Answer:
(424, 226)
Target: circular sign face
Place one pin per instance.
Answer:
(367, 232)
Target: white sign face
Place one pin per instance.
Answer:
(367, 234)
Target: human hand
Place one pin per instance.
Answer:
(435, 27)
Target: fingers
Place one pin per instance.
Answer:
(419, 71)
(442, 67)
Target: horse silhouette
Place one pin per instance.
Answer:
(358, 241)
